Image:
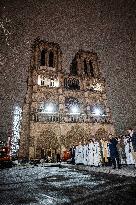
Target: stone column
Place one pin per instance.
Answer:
(37, 57)
(47, 59)
(55, 63)
(25, 125)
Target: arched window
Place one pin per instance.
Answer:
(72, 105)
(43, 57)
(73, 67)
(69, 83)
(75, 84)
(85, 67)
(51, 56)
(91, 68)
(72, 84)
(71, 101)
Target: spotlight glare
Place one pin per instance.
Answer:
(49, 108)
(97, 112)
(74, 110)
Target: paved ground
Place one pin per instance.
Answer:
(128, 171)
(64, 185)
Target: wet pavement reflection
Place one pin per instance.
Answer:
(56, 185)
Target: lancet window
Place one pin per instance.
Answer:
(43, 57)
(73, 67)
(72, 84)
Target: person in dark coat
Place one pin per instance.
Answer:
(114, 152)
(58, 157)
(72, 152)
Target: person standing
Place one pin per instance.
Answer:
(128, 150)
(58, 157)
(121, 150)
(108, 154)
(79, 154)
(133, 140)
(97, 156)
(104, 145)
(72, 153)
(91, 153)
(114, 152)
(85, 153)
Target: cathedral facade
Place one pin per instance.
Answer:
(62, 107)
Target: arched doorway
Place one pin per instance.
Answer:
(101, 133)
(72, 138)
(47, 146)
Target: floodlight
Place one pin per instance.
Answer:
(97, 112)
(74, 110)
(49, 108)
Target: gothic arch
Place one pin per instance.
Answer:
(70, 101)
(101, 133)
(74, 136)
(48, 139)
(47, 144)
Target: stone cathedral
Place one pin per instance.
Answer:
(62, 106)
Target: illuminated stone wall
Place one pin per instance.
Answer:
(61, 109)
(62, 136)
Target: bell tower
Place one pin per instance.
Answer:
(44, 79)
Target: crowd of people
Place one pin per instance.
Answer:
(112, 151)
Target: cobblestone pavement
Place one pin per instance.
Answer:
(54, 184)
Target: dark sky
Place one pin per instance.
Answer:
(106, 26)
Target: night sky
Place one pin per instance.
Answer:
(106, 26)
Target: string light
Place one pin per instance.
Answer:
(15, 130)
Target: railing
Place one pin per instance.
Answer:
(46, 68)
(69, 118)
